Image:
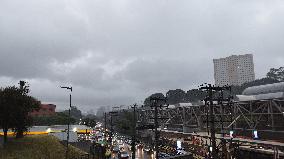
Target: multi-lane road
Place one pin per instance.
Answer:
(140, 153)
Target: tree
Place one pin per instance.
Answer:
(147, 101)
(90, 122)
(24, 120)
(125, 123)
(175, 96)
(195, 95)
(15, 105)
(74, 113)
(276, 74)
(59, 118)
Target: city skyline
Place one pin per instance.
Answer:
(120, 52)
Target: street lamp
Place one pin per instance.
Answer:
(112, 113)
(68, 124)
(133, 144)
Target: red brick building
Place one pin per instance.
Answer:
(45, 110)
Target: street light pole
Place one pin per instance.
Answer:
(111, 130)
(134, 132)
(112, 113)
(156, 131)
(68, 124)
(105, 125)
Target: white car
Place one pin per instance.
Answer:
(181, 151)
(124, 155)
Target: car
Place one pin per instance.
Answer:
(124, 155)
(115, 149)
(148, 149)
(139, 146)
(120, 145)
(181, 151)
(163, 155)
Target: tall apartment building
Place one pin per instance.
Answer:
(234, 70)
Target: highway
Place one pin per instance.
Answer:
(140, 153)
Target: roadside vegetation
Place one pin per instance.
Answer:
(176, 96)
(59, 118)
(37, 147)
(15, 106)
(62, 118)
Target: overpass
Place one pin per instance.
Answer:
(257, 113)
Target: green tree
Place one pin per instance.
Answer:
(147, 101)
(195, 95)
(276, 74)
(175, 96)
(125, 124)
(24, 120)
(15, 105)
(74, 113)
(59, 118)
(91, 122)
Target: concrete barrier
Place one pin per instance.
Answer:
(185, 156)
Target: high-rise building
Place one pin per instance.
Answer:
(234, 70)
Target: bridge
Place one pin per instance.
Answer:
(257, 114)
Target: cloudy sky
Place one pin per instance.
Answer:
(117, 52)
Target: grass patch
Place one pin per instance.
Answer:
(37, 147)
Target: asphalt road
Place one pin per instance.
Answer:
(140, 153)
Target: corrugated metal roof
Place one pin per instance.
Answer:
(264, 89)
(185, 104)
(276, 95)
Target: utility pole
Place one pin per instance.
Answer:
(210, 88)
(212, 123)
(68, 125)
(111, 130)
(223, 142)
(112, 113)
(105, 125)
(134, 132)
(155, 103)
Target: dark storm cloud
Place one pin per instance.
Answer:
(120, 51)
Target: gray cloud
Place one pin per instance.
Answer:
(120, 51)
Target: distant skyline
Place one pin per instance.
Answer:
(118, 52)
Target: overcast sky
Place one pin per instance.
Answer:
(117, 52)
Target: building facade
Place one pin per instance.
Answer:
(44, 110)
(234, 70)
